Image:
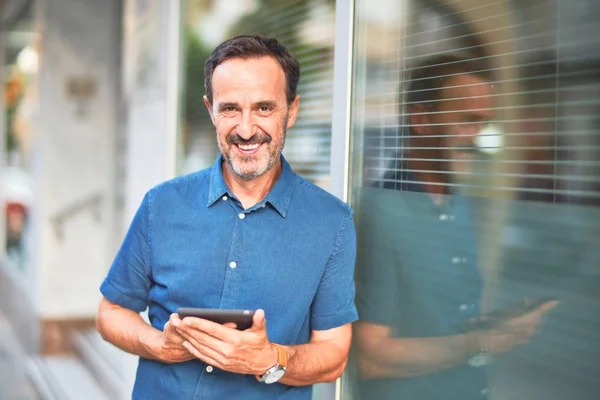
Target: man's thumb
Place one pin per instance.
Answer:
(259, 321)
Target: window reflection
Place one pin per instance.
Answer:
(476, 188)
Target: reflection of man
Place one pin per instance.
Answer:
(418, 285)
(247, 233)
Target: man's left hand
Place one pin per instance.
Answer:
(224, 347)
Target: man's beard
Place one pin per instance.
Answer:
(236, 163)
(461, 163)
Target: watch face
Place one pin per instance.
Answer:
(275, 375)
(479, 359)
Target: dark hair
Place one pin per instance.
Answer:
(254, 46)
(427, 79)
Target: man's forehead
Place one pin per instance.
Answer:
(466, 86)
(245, 73)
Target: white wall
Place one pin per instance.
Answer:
(151, 76)
(76, 154)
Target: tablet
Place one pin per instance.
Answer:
(242, 318)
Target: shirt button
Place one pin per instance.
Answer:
(209, 369)
(443, 217)
(485, 392)
(264, 205)
(242, 215)
(224, 198)
(233, 264)
(455, 260)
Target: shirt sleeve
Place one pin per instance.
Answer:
(129, 278)
(333, 305)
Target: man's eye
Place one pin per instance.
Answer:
(228, 109)
(265, 109)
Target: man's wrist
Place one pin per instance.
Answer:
(475, 343)
(471, 343)
(151, 344)
(271, 359)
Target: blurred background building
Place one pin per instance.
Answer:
(103, 99)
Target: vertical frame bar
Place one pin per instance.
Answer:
(342, 100)
(341, 115)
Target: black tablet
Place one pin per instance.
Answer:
(242, 318)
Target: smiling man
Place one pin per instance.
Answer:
(247, 233)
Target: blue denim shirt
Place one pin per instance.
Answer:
(192, 244)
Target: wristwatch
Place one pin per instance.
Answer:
(277, 371)
(479, 359)
(476, 355)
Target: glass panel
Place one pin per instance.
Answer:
(16, 183)
(476, 184)
(306, 27)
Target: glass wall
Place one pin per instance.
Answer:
(475, 178)
(306, 27)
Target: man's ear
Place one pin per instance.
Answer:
(209, 108)
(293, 112)
(420, 119)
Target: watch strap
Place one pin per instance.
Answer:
(281, 360)
(281, 355)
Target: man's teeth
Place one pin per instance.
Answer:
(248, 147)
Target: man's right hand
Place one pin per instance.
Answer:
(509, 334)
(167, 346)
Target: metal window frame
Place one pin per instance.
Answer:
(342, 100)
(341, 111)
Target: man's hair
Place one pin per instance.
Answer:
(429, 78)
(254, 46)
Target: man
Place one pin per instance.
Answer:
(420, 335)
(247, 233)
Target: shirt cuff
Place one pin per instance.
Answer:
(334, 320)
(114, 295)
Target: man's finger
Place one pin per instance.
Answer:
(201, 355)
(534, 315)
(545, 308)
(211, 328)
(175, 320)
(259, 322)
(549, 305)
(198, 338)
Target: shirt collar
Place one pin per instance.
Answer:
(279, 197)
(217, 186)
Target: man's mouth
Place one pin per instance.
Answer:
(248, 149)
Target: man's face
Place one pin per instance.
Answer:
(466, 108)
(251, 114)
(453, 123)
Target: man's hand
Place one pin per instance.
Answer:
(224, 347)
(509, 334)
(168, 346)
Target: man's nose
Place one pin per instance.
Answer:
(246, 128)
